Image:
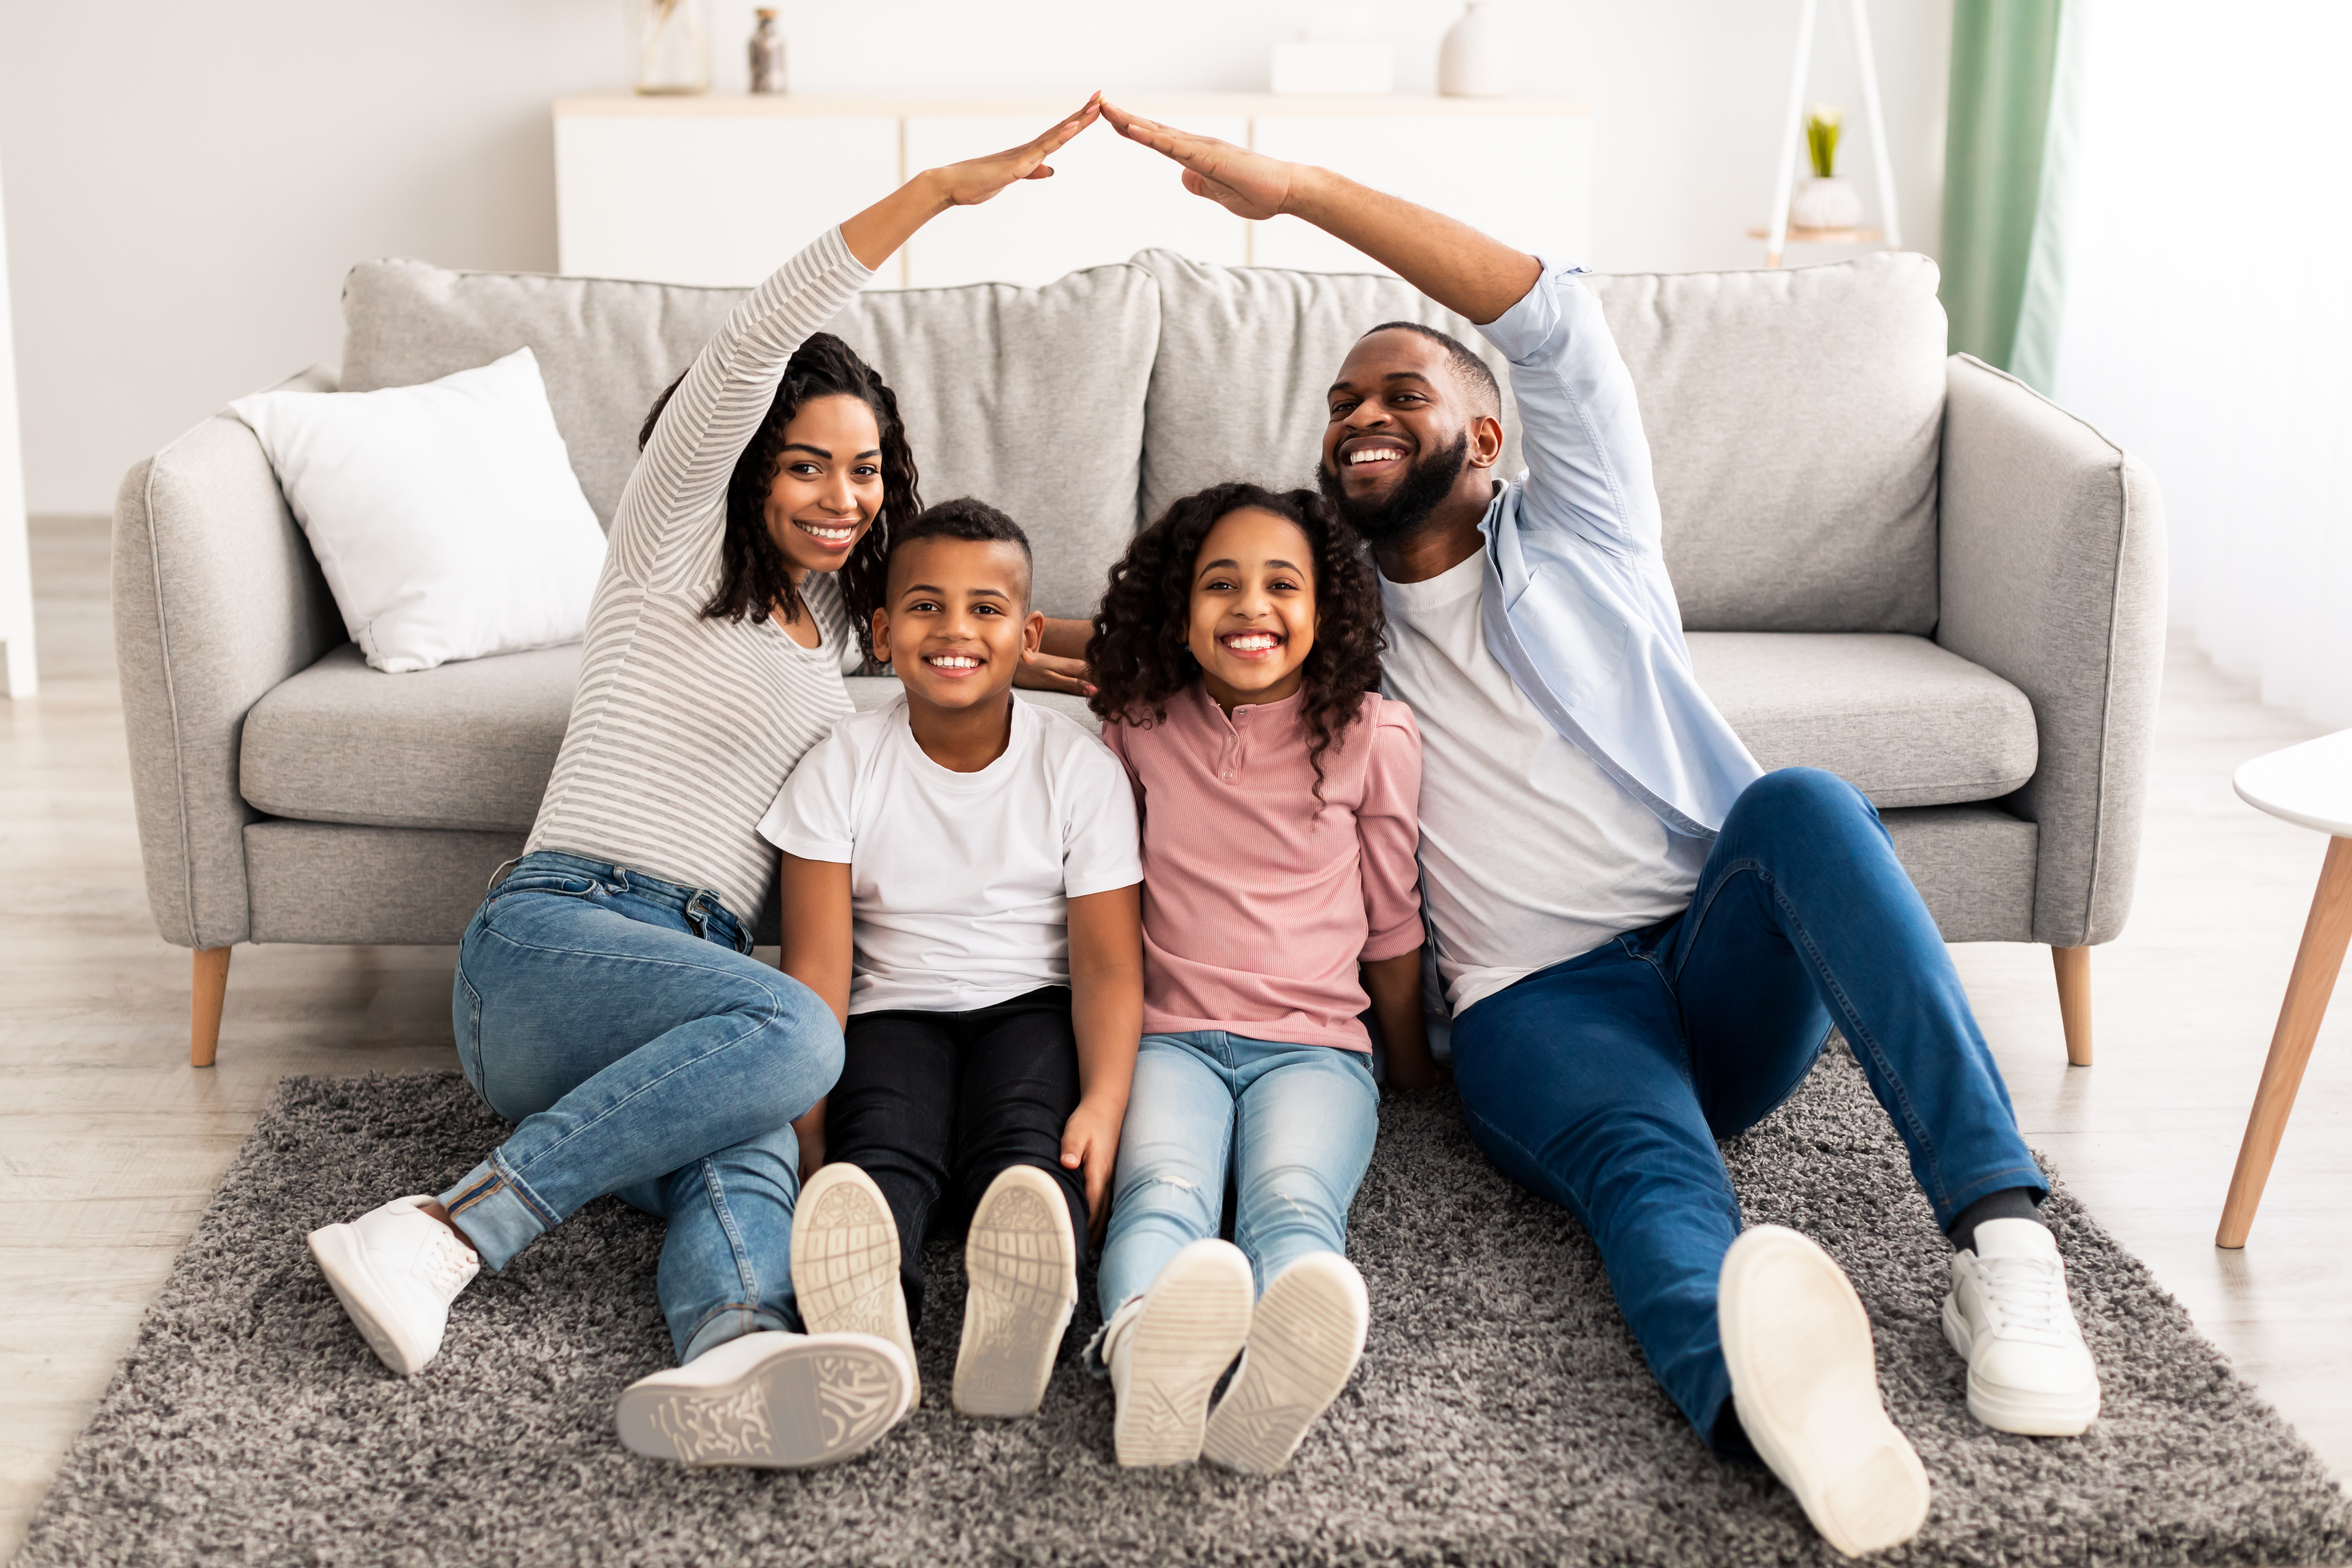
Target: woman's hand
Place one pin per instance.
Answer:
(1089, 1145)
(875, 235)
(1246, 183)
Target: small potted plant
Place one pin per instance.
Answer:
(1825, 201)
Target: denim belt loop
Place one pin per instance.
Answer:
(500, 874)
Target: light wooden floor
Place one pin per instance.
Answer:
(109, 1144)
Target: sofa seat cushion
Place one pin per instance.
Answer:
(1905, 721)
(468, 745)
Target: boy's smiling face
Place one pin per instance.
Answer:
(956, 619)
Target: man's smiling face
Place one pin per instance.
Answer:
(1398, 437)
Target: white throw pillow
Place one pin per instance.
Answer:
(446, 516)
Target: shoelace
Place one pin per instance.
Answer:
(447, 1267)
(2028, 1298)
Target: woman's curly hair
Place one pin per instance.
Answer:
(753, 576)
(1139, 656)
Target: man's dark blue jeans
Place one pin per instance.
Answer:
(1603, 1082)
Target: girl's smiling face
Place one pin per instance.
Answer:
(1253, 607)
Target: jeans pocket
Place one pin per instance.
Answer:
(563, 884)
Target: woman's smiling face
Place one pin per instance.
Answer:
(828, 484)
(1253, 607)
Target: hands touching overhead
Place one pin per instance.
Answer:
(875, 235)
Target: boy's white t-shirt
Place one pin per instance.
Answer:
(960, 883)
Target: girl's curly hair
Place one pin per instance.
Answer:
(1139, 654)
(753, 576)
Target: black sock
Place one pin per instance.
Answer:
(1729, 1438)
(2009, 1203)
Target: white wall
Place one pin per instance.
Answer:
(187, 184)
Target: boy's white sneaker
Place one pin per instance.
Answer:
(1804, 1381)
(1304, 1340)
(1021, 1262)
(2029, 1370)
(1167, 1348)
(846, 1264)
(772, 1400)
(396, 1269)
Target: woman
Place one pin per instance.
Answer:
(605, 997)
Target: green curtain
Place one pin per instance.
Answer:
(2004, 54)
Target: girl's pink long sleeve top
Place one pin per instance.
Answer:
(1256, 905)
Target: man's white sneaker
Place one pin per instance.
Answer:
(846, 1264)
(1304, 1340)
(1167, 1348)
(2029, 1370)
(396, 1269)
(773, 1400)
(1021, 1262)
(1804, 1381)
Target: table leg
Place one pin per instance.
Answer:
(2324, 936)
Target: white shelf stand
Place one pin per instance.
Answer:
(1776, 236)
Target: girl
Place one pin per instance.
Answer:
(606, 999)
(1236, 656)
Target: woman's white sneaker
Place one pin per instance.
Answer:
(845, 1263)
(1804, 1381)
(2029, 1370)
(772, 1400)
(1167, 1348)
(1304, 1340)
(396, 1269)
(1021, 1261)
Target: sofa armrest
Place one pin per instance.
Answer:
(216, 599)
(2054, 578)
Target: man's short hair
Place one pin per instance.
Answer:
(968, 518)
(1476, 380)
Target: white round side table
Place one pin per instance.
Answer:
(2311, 785)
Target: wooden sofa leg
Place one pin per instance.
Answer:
(207, 991)
(2073, 966)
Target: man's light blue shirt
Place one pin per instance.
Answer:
(1577, 605)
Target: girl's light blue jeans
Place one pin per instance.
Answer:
(623, 1023)
(1294, 1123)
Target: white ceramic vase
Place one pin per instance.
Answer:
(1474, 61)
(1830, 202)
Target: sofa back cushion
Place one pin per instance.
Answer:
(1793, 418)
(1032, 399)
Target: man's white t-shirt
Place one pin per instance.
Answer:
(960, 883)
(1529, 854)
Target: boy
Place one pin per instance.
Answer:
(961, 882)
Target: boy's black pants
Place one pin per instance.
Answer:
(934, 1106)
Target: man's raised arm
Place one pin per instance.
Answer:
(1467, 272)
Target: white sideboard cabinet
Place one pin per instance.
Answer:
(722, 189)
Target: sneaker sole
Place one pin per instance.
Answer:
(1021, 1262)
(810, 1404)
(845, 1262)
(2029, 1413)
(337, 1255)
(1798, 1344)
(1194, 1322)
(1303, 1343)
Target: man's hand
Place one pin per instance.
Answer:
(1041, 671)
(1246, 183)
(1089, 1146)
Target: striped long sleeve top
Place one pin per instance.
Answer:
(684, 728)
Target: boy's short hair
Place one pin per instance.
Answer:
(968, 518)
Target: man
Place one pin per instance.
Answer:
(1644, 938)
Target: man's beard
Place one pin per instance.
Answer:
(1425, 484)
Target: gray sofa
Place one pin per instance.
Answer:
(1907, 568)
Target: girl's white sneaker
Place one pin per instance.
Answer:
(845, 1263)
(2029, 1370)
(770, 1400)
(1021, 1261)
(1304, 1342)
(395, 1269)
(1166, 1349)
(1804, 1381)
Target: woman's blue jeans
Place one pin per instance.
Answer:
(1295, 1124)
(622, 1022)
(1603, 1083)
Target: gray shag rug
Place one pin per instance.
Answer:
(1502, 1414)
